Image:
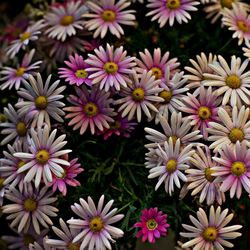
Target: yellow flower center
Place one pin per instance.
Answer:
(24, 36)
(208, 174)
(42, 156)
(73, 246)
(27, 239)
(166, 95)
(115, 125)
(1, 182)
(233, 82)
(238, 168)
(96, 224)
(157, 72)
(151, 224)
(3, 118)
(138, 94)
(20, 71)
(67, 20)
(90, 109)
(30, 205)
(210, 234)
(108, 15)
(173, 4)
(41, 102)
(204, 113)
(243, 26)
(81, 73)
(171, 165)
(236, 134)
(110, 67)
(21, 129)
(20, 164)
(226, 3)
(174, 138)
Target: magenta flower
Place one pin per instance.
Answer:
(110, 68)
(233, 169)
(90, 109)
(70, 172)
(153, 225)
(76, 73)
(202, 110)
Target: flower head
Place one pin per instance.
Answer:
(110, 68)
(15, 76)
(63, 20)
(229, 129)
(106, 15)
(95, 224)
(233, 169)
(30, 34)
(91, 108)
(172, 160)
(157, 64)
(237, 20)
(201, 180)
(76, 73)
(140, 96)
(231, 82)
(42, 101)
(201, 110)
(43, 159)
(70, 172)
(211, 232)
(171, 10)
(153, 225)
(32, 206)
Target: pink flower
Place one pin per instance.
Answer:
(76, 73)
(70, 172)
(153, 225)
(233, 169)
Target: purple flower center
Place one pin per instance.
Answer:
(108, 15)
(210, 234)
(42, 156)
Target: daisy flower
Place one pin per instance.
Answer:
(106, 15)
(30, 207)
(178, 128)
(110, 68)
(237, 20)
(199, 67)
(153, 225)
(64, 20)
(157, 64)
(44, 157)
(22, 240)
(200, 178)
(233, 169)
(66, 236)
(70, 172)
(171, 10)
(120, 127)
(91, 108)
(230, 129)
(211, 232)
(172, 93)
(140, 96)
(232, 83)
(172, 160)
(75, 73)
(30, 34)
(202, 110)
(15, 76)
(43, 100)
(95, 224)
(11, 164)
(16, 127)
